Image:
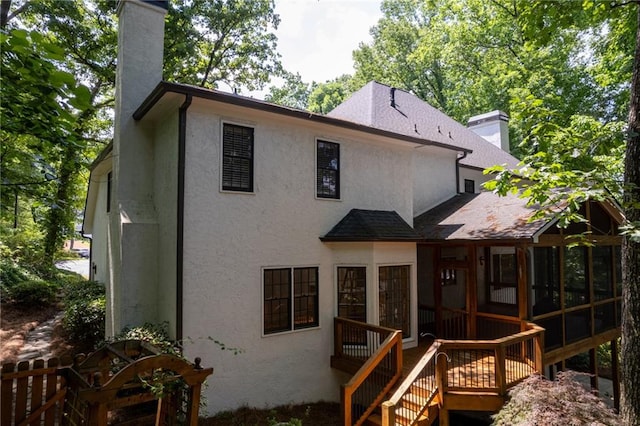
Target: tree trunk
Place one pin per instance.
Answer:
(630, 401)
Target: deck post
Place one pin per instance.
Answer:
(388, 414)
(443, 417)
(593, 369)
(441, 376)
(501, 374)
(539, 352)
(345, 403)
(615, 374)
(337, 338)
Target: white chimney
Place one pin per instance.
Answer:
(493, 127)
(132, 282)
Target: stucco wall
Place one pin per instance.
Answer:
(231, 237)
(474, 175)
(165, 199)
(434, 178)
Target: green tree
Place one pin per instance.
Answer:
(326, 96)
(53, 127)
(473, 56)
(293, 93)
(587, 155)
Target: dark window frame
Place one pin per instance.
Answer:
(469, 184)
(389, 279)
(300, 299)
(109, 185)
(326, 170)
(236, 155)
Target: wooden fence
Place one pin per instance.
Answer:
(32, 392)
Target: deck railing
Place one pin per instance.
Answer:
(489, 366)
(379, 350)
(416, 393)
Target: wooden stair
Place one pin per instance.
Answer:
(410, 405)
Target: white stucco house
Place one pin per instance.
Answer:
(257, 224)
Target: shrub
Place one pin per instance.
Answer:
(32, 293)
(538, 401)
(84, 320)
(80, 290)
(156, 334)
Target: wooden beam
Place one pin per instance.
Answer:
(521, 265)
(472, 292)
(580, 346)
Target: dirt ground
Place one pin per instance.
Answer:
(17, 321)
(313, 414)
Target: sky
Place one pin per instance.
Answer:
(316, 37)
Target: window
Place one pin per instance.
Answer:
(290, 299)
(503, 268)
(469, 186)
(237, 158)
(576, 277)
(393, 297)
(109, 183)
(546, 275)
(352, 293)
(328, 170)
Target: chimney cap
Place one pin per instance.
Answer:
(164, 4)
(496, 115)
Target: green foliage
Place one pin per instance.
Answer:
(85, 311)
(32, 293)
(230, 42)
(156, 334)
(538, 401)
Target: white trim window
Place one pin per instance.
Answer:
(237, 158)
(290, 299)
(327, 169)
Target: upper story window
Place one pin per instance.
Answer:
(237, 158)
(469, 186)
(328, 170)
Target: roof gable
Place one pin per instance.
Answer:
(386, 108)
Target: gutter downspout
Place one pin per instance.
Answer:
(464, 155)
(182, 131)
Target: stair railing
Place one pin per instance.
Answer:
(377, 375)
(417, 391)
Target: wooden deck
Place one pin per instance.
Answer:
(470, 370)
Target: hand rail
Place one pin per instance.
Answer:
(385, 364)
(503, 350)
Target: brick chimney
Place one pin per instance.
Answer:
(493, 127)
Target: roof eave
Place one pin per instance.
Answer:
(165, 87)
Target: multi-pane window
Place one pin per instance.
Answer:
(393, 297)
(352, 293)
(237, 158)
(290, 299)
(328, 170)
(469, 186)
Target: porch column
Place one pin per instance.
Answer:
(472, 292)
(521, 262)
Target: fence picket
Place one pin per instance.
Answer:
(52, 385)
(22, 386)
(6, 406)
(36, 390)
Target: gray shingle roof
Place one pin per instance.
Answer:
(412, 116)
(483, 216)
(371, 225)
